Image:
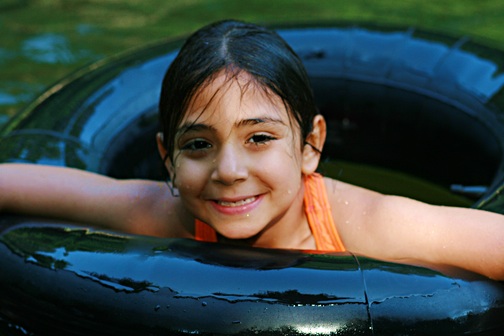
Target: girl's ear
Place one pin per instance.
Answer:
(314, 143)
(164, 154)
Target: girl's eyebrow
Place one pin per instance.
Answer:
(255, 121)
(191, 126)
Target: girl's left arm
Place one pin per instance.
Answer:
(467, 238)
(404, 230)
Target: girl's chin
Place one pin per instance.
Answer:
(238, 231)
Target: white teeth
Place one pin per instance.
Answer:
(236, 204)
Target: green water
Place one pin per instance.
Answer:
(392, 182)
(44, 40)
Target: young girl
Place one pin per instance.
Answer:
(241, 141)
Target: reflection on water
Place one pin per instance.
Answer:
(53, 49)
(12, 93)
(46, 49)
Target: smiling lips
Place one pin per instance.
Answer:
(237, 207)
(238, 203)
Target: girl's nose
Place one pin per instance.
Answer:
(230, 166)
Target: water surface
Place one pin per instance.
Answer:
(43, 41)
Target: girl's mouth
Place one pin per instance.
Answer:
(237, 203)
(238, 206)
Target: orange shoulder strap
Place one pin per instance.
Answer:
(319, 215)
(204, 232)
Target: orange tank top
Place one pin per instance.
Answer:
(318, 213)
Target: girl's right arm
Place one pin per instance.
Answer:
(134, 206)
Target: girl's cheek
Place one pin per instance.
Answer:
(190, 175)
(286, 157)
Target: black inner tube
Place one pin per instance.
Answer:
(407, 131)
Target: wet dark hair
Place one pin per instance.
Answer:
(234, 46)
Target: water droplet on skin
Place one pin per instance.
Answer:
(289, 191)
(346, 202)
(248, 215)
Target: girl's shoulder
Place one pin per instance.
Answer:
(352, 208)
(368, 220)
(156, 211)
(342, 194)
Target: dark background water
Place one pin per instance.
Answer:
(42, 41)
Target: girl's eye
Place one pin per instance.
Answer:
(197, 145)
(259, 139)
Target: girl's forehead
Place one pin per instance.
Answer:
(233, 96)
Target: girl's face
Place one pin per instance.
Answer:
(238, 161)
